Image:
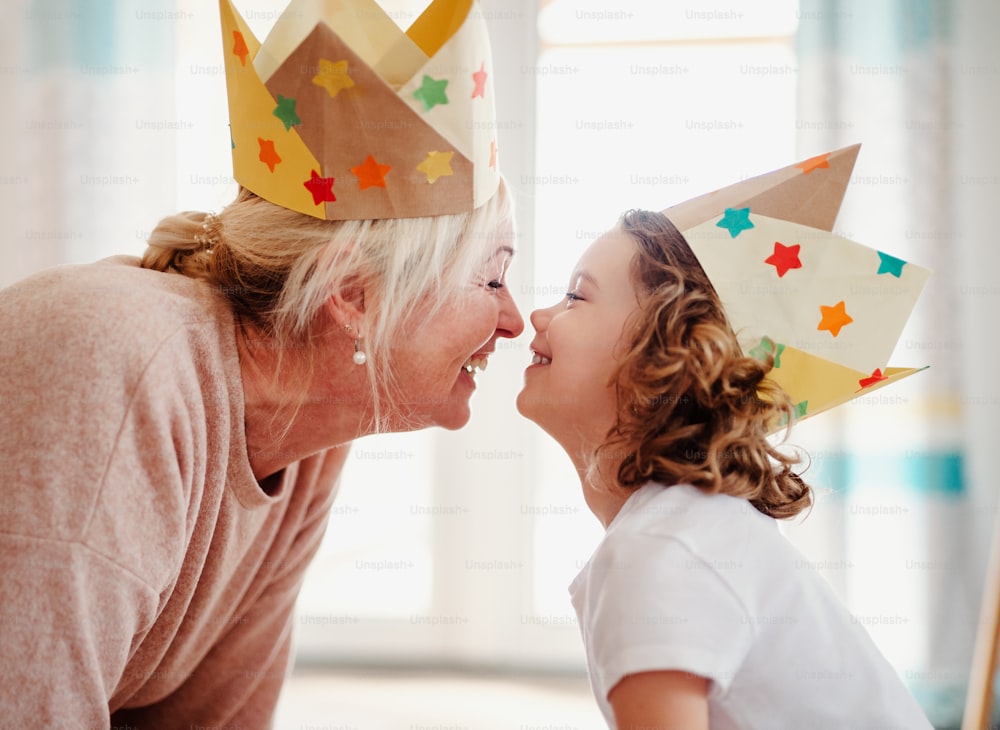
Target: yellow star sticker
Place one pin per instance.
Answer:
(834, 318)
(333, 77)
(437, 164)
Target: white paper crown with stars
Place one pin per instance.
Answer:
(342, 115)
(829, 310)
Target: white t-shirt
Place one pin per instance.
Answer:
(707, 584)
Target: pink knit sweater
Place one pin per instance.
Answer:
(146, 578)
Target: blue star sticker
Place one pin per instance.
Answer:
(735, 220)
(890, 265)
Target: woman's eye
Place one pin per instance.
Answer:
(573, 297)
(496, 284)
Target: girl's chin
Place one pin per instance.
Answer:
(530, 407)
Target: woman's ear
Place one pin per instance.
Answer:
(346, 305)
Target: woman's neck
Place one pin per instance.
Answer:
(292, 411)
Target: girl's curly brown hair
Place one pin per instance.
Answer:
(692, 408)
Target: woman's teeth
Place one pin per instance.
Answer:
(537, 359)
(475, 363)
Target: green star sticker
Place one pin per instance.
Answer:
(431, 92)
(801, 408)
(766, 347)
(285, 111)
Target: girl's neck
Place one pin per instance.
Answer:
(602, 493)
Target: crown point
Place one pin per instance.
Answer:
(285, 111)
(321, 188)
(431, 92)
(735, 220)
(834, 318)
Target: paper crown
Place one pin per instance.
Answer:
(829, 310)
(341, 115)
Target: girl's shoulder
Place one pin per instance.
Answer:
(683, 509)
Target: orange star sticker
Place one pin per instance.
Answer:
(437, 164)
(370, 173)
(834, 318)
(873, 378)
(480, 78)
(240, 47)
(784, 258)
(493, 154)
(333, 77)
(814, 163)
(268, 155)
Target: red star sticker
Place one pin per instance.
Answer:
(784, 258)
(813, 163)
(321, 188)
(268, 155)
(480, 78)
(833, 318)
(240, 47)
(371, 174)
(493, 154)
(873, 378)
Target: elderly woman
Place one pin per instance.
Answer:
(177, 424)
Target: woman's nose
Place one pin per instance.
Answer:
(510, 323)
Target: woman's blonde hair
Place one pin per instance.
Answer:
(692, 408)
(278, 267)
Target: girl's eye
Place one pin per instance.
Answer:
(496, 284)
(572, 297)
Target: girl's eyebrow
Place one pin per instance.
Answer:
(586, 276)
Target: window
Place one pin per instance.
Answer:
(459, 547)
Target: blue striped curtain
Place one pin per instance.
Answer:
(899, 516)
(88, 156)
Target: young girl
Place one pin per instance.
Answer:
(695, 611)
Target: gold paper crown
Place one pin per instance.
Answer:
(828, 309)
(341, 115)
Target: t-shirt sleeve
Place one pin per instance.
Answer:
(654, 605)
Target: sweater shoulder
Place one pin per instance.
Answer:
(113, 298)
(127, 379)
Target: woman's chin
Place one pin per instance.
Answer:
(456, 417)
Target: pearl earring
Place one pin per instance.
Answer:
(360, 358)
